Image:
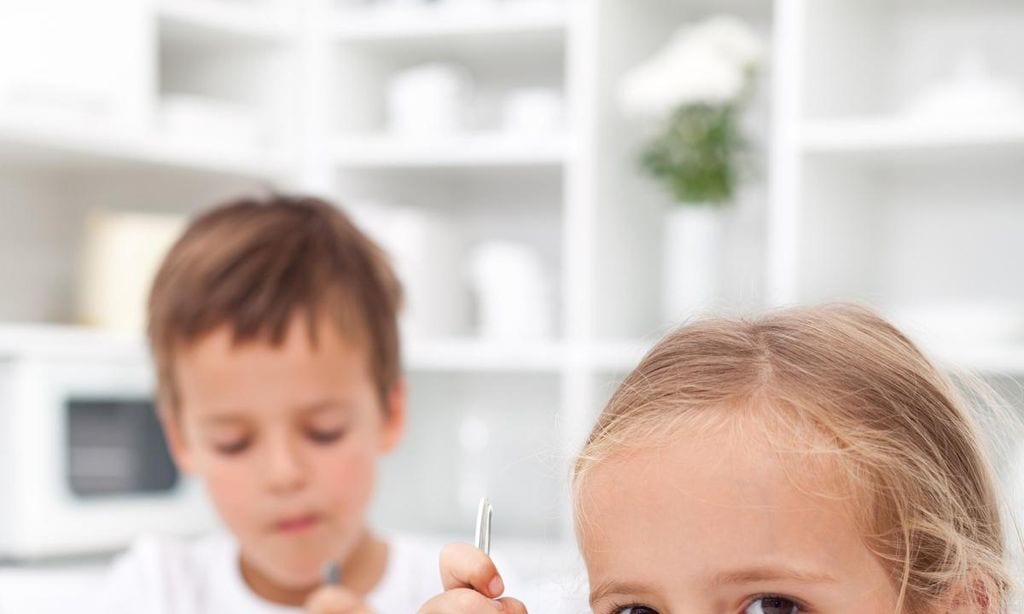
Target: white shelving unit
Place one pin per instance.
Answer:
(232, 23)
(878, 201)
(408, 25)
(465, 152)
(880, 135)
(853, 199)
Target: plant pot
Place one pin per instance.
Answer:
(691, 250)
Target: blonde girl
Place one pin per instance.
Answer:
(809, 461)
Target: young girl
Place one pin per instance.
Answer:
(810, 461)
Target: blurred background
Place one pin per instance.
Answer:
(525, 164)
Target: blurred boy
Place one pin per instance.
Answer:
(273, 329)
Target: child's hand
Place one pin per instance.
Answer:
(471, 584)
(335, 600)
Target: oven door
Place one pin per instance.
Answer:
(92, 469)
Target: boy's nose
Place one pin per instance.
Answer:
(284, 467)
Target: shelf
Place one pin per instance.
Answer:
(468, 151)
(69, 341)
(906, 135)
(395, 26)
(981, 337)
(220, 23)
(616, 356)
(483, 356)
(984, 360)
(447, 355)
(996, 358)
(25, 143)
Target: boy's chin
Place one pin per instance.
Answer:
(299, 580)
(292, 573)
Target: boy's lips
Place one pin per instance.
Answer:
(297, 524)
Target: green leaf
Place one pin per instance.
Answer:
(698, 153)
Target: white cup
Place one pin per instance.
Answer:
(534, 110)
(511, 292)
(430, 99)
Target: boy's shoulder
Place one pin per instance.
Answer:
(177, 557)
(169, 575)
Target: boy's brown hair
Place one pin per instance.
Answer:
(253, 264)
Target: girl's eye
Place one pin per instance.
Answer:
(635, 609)
(325, 437)
(772, 605)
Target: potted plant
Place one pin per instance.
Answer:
(693, 93)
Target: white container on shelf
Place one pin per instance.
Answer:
(431, 99)
(66, 60)
(692, 249)
(123, 251)
(511, 290)
(534, 111)
(971, 92)
(426, 250)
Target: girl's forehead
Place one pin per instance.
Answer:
(736, 466)
(707, 507)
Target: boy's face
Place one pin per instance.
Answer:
(286, 440)
(719, 523)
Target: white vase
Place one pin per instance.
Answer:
(691, 251)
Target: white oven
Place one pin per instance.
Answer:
(83, 463)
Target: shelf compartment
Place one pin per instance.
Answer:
(899, 135)
(911, 235)
(486, 434)
(629, 206)
(469, 152)
(490, 67)
(220, 23)
(473, 355)
(412, 26)
(433, 222)
(26, 144)
(876, 57)
(211, 87)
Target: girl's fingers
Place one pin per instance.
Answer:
(466, 601)
(512, 606)
(463, 566)
(335, 600)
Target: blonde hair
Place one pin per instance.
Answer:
(897, 426)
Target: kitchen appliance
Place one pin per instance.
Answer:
(83, 464)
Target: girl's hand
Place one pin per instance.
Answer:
(335, 600)
(472, 585)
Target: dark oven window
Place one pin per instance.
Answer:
(115, 447)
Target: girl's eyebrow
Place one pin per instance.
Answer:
(750, 575)
(747, 575)
(613, 587)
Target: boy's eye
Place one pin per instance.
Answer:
(772, 605)
(230, 448)
(325, 437)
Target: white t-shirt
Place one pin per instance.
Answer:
(173, 576)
